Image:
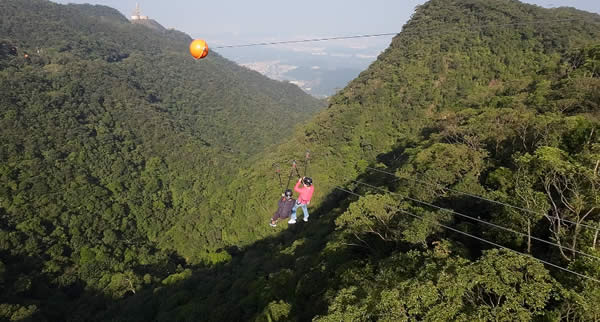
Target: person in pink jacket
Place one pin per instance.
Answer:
(305, 193)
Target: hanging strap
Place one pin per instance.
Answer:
(306, 161)
(292, 173)
(278, 173)
(296, 168)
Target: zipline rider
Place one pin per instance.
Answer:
(305, 193)
(284, 209)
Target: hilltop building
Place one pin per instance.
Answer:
(137, 13)
(137, 18)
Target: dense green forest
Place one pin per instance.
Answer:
(494, 98)
(122, 200)
(111, 135)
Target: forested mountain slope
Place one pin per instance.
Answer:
(497, 99)
(453, 61)
(111, 134)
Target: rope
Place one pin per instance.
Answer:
(443, 29)
(487, 241)
(481, 198)
(287, 186)
(306, 161)
(278, 171)
(479, 220)
(306, 40)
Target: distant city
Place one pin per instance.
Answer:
(320, 69)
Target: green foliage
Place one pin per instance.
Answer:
(571, 185)
(275, 311)
(373, 214)
(128, 184)
(499, 286)
(446, 165)
(505, 286)
(177, 277)
(122, 283)
(13, 312)
(418, 231)
(217, 257)
(346, 307)
(112, 139)
(582, 299)
(458, 110)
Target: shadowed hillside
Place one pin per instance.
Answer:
(493, 99)
(111, 134)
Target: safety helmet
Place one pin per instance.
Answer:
(307, 181)
(288, 193)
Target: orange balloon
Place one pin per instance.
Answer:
(198, 48)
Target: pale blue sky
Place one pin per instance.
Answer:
(282, 20)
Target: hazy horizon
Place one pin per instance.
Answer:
(320, 68)
(274, 20)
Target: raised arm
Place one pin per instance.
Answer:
(297, 186)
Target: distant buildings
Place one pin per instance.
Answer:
(137, 13)
(137, 18)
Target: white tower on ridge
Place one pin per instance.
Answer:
(137, 13)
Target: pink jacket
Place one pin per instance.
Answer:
(304, 193)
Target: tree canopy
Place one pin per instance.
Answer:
(145, 205)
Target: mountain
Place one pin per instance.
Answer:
(116, 217)
(111, 135)
(420, 81)
(493, 99)
(150, 23)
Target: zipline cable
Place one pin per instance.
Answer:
(444, 30)
(487, 241)
(478, 220)
(481, 198)
(306, 161)
(306, 40)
